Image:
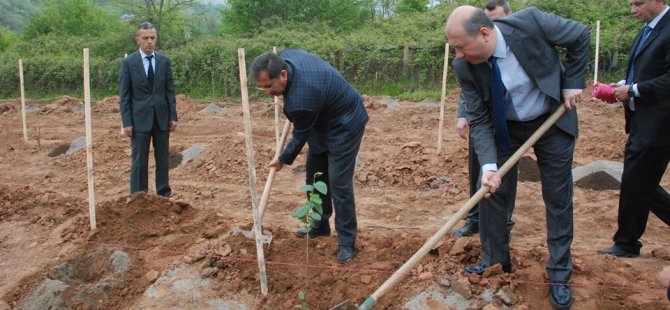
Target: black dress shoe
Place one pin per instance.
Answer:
(470, 228)
(560, 295)
(345, 254)
(619, 252)
(313, 233)
(479, 269)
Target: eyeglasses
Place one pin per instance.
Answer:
(267, 86)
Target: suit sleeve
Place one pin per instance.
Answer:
(460, 112)
(656, 89)
(170, 93)
(574, 37)
(477, 113)
(303, 122)
(125, 95)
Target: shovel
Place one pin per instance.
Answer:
(400, 274)
(266, 191)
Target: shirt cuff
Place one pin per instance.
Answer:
(637, 93)
(621, 83)
(490, 167)
(571, 90)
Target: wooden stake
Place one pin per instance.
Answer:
(595, 67)
(277, 146)
(23, 102)
(252, 171)
(123, 132)
(405, 57)
(423, 251)
(273, 171)
(443, 99)
(89, 141)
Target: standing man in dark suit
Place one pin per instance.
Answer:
(148, 110)
(647, 105)
(494, 9)
(328, 114)
(511, 75)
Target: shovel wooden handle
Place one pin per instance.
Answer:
(271, 176)
(416, 258)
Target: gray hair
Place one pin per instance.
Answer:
(493, 4)
(478, 20)
(145, 26)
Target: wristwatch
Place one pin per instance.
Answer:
(631, 92)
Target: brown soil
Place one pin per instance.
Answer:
(405, 191)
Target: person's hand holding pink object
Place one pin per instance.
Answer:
(604, 92)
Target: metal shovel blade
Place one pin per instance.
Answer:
(249, 234)
(345, 305)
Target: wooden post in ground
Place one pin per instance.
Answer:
(89, 141)
(405, 58)
(443, 98)
(277, 146)
(252, 171)
(23, 101)
(595, 66)
(123, 132)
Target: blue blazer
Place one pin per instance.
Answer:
(326, 111)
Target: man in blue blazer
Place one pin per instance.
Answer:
(328, 114)
(512, 79)
(148, 109)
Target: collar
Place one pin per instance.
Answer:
(501, 44)
(145, 55)
(655, 21)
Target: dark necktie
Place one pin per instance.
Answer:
(499, 103)
(150, 72)
(643, 38)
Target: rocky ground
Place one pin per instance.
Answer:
(150, 252)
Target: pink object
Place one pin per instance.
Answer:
(604, 92)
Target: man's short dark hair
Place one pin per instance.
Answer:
(493, 4)
(268, 62)
(145, 26)
(478, 20)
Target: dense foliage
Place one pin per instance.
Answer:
(381, 46)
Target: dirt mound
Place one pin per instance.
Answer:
(372, 103)
(186, 104)
(107, 105)
(25, 203)
(63, 104)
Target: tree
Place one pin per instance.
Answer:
(410, 6)
(251, 16)
(72, 17)
(7, 38)
(168, 16)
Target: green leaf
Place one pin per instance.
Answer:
(301, 295)
(319, 209)
(302, 211)
(315, 198)
(307, 188)
(316, 216)
(321, 187)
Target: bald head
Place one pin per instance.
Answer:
(471, 33)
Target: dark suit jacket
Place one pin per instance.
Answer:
(651, 120)
(533, 36)
(138, 101)
(325, 109)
